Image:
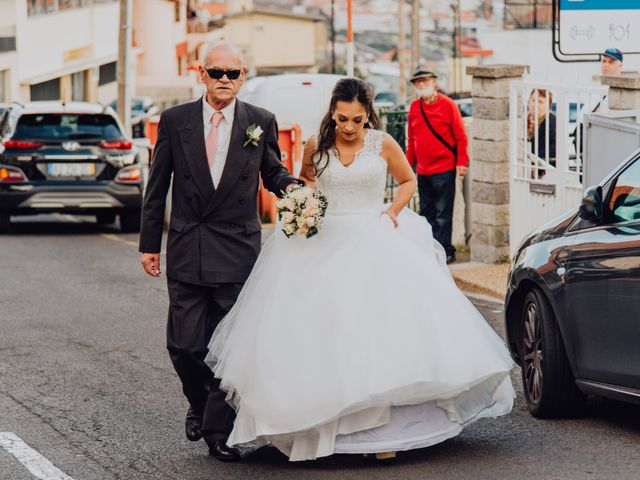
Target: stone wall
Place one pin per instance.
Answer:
(490, 161)
(624, 91)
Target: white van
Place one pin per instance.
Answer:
(293, 98)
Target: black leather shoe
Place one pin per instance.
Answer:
(451, 259)
(193, 426)
(219, 449)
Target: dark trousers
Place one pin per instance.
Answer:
(437, 193)
(194, 313)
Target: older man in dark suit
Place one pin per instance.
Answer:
(215, 149)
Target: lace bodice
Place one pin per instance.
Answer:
(360, 186)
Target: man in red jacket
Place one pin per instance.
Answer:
(437, 143)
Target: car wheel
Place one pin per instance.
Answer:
(5, 222)
(130, 221)
(106, 218)
(549, 386)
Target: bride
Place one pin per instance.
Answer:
(356, 340)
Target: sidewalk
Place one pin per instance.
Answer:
(471, 277)
(487, 279)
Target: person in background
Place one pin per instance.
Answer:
(611, 62)
(437, 143)
(610, 65)
(539, 116)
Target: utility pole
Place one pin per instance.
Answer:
(350, 51)
(124, 65)
(415, 34)
(402, 88)
(333, 36)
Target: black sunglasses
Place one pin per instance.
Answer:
(218, 73)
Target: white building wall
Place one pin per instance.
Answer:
(92, 28)
(159, 57)
(533, 47)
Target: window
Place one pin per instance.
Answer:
(107, 73)
(34, 7)
(51, 126)
(46, 90)
(624, 204)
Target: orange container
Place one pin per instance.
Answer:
(290, 142)
(151, 130)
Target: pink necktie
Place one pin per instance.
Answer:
(212, 138)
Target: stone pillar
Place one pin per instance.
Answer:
(624, 91)
(489, 166)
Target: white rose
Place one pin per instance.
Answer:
(257, 132)
(303, 230)
(287, 204)
(287, 217)
(313, 202)
(310, 212)
(311, 222)
(289, 228)
(299, 195)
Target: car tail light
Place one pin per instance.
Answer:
(131, 174)
(21, 144)
(117, 144)
(12, 175)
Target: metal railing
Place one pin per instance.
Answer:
(546, 150)
(394, 122)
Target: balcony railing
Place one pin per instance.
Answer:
(527, 14)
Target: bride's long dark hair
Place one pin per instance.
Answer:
(346, 90)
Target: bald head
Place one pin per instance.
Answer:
(225, 49)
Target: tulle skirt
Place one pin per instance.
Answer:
(357, 340)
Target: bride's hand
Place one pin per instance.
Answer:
(392, 216)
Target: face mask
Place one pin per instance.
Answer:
(425, 92)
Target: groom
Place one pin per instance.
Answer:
(214, 151)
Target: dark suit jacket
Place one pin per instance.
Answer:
(542, 138)
(214, 234)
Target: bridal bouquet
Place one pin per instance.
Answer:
(301, 212)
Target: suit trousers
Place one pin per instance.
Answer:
(194, 313)
(437, 194)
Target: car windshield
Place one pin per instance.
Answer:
(61, 127)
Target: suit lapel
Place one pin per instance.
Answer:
(192, 137)
(237, 155)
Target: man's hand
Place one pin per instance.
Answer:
(461, 170)
(151, 263)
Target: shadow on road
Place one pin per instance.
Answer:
(59, 225)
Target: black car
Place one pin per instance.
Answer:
(573, 303)
(68, 157)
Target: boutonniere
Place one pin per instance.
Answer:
(254, 133)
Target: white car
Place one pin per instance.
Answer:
(293, 98)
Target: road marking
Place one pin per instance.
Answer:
(115, 238)
(38, 465)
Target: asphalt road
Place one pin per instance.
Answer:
(85, 380)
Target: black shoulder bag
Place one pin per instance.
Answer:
(453, 149)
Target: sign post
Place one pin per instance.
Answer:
(585, 28)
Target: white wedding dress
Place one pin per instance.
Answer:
(357, 340)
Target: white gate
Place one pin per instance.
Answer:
(545, 143)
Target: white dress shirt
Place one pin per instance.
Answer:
(224, 135)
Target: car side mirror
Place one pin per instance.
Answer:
(591, 206)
